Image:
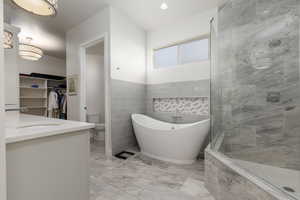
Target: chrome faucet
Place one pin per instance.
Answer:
(176, 118)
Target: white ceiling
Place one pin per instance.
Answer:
(146, 13)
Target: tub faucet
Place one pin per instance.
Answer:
(176, 118)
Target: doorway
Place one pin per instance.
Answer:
(95, 95)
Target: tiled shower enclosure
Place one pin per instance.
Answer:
(256, 88)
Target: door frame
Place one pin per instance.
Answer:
(107, 88)
(2, 114)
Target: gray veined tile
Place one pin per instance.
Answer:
(142, 178)
(194, 188)
(199, 88)
(126, 197)
(127, 98)
(132, 189)
(258, 55)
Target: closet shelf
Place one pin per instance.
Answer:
(33, 88)
(34, 100)
(33, 97)
(57, 87)
(31, 78)
(33, 107)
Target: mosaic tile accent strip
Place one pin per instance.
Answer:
(185, 105)
(165, 105)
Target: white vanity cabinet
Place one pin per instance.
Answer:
(46, 159)
(11, 65)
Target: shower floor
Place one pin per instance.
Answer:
(280, 177)
(143, 178)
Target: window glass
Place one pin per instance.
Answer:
(166, 57)
(194, 51)
(188, 52)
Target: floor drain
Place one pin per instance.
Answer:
(124, 155)
(288, 189)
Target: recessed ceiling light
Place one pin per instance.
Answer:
(164, 6)
(38, 7)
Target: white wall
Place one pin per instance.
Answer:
(11, 62)
(128, 49)
(2, 120)
(191, 27)
(128, 77)
(46, 65)
(86, 31)
(95, 85)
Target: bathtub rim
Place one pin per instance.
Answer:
(181, 126)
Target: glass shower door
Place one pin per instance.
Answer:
(255, 94)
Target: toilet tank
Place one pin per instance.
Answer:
(93, 118)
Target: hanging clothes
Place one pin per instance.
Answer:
(63, 107)
(53, 104)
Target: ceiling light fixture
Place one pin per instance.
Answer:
(164, 6)
(38, 7)
(7, 39)
(29, 51)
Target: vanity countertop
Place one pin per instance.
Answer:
(21, 127)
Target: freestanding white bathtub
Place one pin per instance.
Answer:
(177, 143)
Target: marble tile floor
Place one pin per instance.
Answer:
(143, 178)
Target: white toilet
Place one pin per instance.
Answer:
(98, 133)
